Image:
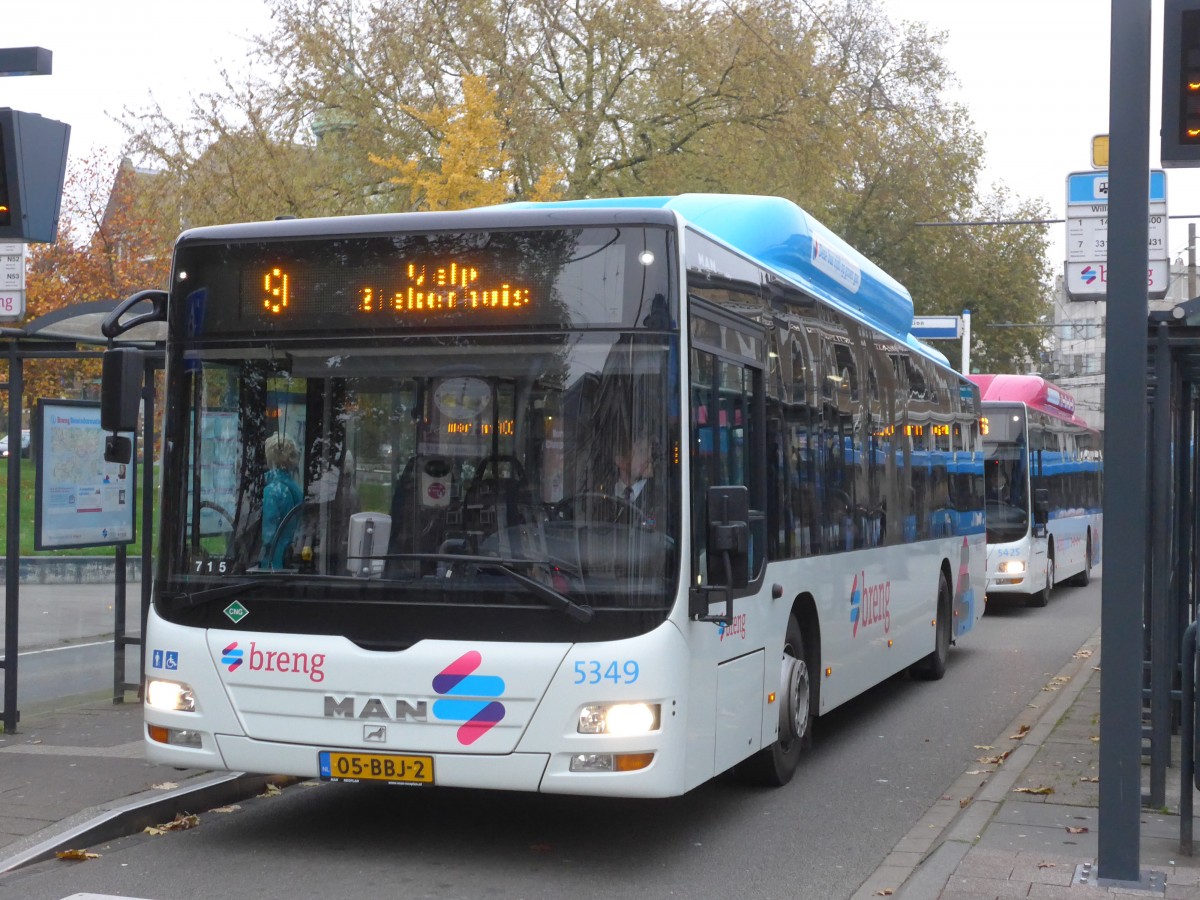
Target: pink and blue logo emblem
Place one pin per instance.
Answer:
(460, 691)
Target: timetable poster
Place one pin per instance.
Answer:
(81, 500)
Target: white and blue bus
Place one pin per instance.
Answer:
(601, 497)
(1043, 476)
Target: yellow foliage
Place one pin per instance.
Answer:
(472, 165)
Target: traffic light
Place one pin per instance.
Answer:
(1181, 83)
(33, 163)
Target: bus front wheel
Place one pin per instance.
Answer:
(1042, 597)
(775, 765)
(1084, 578)
(933, 666)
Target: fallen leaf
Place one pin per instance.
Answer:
(1082, 654)
(1036, 790)
(964, 803)
(884, 892)
(1095, 739)
(181, 822)
(994, 760)
(1092, 778)
(983, 746)
(1076, 829)
(76, 854)
(271, 791)
(226, 809)
(1021, 732)
(1046, 865)
(164, 786)
(979, 772)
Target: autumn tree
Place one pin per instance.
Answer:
(826, 102)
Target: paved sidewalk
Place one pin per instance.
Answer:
(74, 776)
(1023, 822)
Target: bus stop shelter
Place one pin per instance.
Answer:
(73, 333)
(1172, 590)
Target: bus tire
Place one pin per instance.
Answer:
(775, 765)
(1084, 578)
(1042, 598)
(933, 666)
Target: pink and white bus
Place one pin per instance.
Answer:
(1043, 472)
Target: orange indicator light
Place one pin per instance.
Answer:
(631, 762)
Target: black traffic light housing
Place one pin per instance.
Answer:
(33, 164)
(1181, 83)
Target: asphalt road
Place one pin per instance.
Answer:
(878, 764)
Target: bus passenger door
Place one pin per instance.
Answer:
(728, 415)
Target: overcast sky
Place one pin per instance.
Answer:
(1034, 74)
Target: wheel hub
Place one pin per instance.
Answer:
(793, 712)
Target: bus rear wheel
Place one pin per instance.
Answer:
(775, 765)
(933, 666)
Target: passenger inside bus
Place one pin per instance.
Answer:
(281, 494)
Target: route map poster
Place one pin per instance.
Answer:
(81, 500)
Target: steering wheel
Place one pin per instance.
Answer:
(291, 514)
(219, 510)
(622, 509)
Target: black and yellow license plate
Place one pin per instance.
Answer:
(390, 767)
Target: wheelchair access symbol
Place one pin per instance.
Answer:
(165, 659)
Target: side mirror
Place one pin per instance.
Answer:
(120, 400)
(729, 536)
(1041, 506)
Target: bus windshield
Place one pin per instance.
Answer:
(505, 472)
(1005, 482)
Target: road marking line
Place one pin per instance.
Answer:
(64, 647)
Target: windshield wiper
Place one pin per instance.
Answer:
(230, 589)
(578, 612)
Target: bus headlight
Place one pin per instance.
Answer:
(620, 719)
(172, 695)
(1012, 567)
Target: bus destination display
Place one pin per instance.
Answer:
(453, 287)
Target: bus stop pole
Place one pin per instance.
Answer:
(12, 558)
(966, 342)
(1125, 444)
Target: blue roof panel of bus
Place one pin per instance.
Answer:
(783, 237)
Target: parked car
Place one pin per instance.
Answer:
(24, 444)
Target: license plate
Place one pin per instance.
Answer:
(389, 767)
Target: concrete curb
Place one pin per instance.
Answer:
(131, 814)
(922, 863)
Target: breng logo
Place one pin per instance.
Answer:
(870, 604)
(231, 657)
(456, 682)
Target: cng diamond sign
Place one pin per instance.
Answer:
(1087, 236)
